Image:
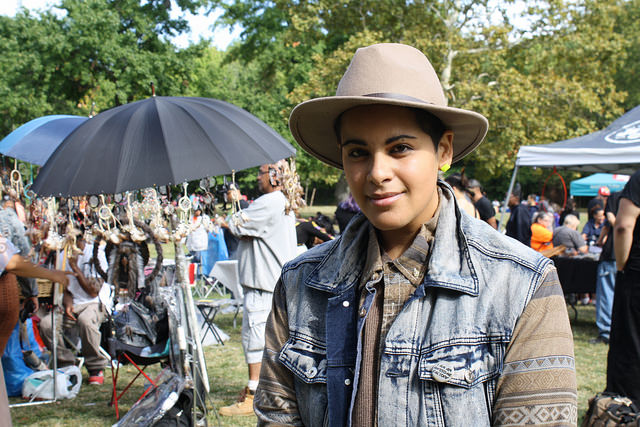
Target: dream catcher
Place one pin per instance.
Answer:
(151, 210)
(107, 226)
(207, 200)
(54, 241)
(183, 229)
(127, 250)
(15, 178)
(238, 216)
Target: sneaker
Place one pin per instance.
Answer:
(96, 378)
(243, 407)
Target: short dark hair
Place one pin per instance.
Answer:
(458, 181)
(429, 124)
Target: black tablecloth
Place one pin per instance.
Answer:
(576, 274)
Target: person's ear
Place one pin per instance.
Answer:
(445, 150)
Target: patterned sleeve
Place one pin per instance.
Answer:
(7, 250)
(275, 400)
(538, 382)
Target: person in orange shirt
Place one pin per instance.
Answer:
(541, 231)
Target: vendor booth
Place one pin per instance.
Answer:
(615, 149)
(589, 185)
(109, 181)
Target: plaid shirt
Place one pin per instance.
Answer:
(400, 278)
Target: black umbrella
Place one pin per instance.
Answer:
(158, 141)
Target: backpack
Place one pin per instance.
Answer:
(609, 409)
(180, 414)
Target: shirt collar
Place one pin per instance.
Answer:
(412, 264)
(449, 265)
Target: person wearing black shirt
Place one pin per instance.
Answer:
(599, 200)
(569, 209)
(346, 210)
(307, 231)
(623, 364)
(482, 204)
(519, 224)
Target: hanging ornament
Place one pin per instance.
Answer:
(53, 242)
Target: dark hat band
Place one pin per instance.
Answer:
(397, 96)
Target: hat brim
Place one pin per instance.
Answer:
(312, 124)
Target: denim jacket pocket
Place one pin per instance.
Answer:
(461, 364)
(306, 360)
(398, 365)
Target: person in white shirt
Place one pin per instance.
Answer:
(85, 302)
(267, 240)
(198, 239)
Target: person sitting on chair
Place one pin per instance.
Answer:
(84, 307)
(592, 229)
(569, 236)
(542, 231)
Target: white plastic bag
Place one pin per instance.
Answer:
(39, 385)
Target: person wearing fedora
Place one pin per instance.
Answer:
(418, 314)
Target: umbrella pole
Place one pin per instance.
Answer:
(193, 331)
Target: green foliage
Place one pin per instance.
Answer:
(568, 72)
(100, 51)
(628, 26)
(552, 81)
(543, 90)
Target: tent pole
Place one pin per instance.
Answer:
(503, 209)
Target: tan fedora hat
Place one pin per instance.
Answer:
(386, 73)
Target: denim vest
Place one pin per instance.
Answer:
(444, 352)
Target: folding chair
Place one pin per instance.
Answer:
(225, 274)
(214, 281)
(140, 358)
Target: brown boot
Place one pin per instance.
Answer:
(243, 407)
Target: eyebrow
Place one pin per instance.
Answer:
(387, 142)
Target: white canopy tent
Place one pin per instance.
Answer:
(615, 149)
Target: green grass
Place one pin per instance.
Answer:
(228, 375)
(308, 211)
(591, 359)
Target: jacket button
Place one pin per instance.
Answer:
(345, 303)
(312, 372)
(363, 312)
(469, 376)
(441, 372)
(347, 382)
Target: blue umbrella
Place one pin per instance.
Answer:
(35, 141)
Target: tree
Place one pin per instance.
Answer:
(628, 26)
(555, 85)
(548, 82)
(100, 51)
